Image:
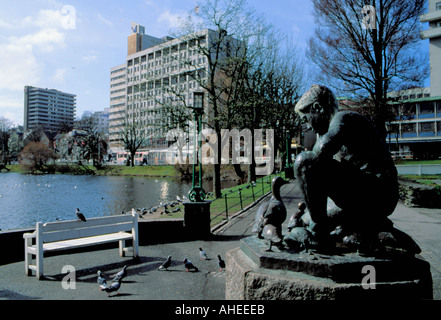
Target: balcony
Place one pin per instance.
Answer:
(430, 33)
(431, 16)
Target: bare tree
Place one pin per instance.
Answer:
(368, 48)
(234, 65)
(35, 157)
(92, 143)
(132, 136)
(212, 54)
(5, 124)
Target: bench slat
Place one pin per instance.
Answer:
(91, 222)
(82, 242)
(85, 232)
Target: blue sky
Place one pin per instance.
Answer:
(70, 45)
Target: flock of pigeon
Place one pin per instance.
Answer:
(117, 278)
(166, 208)
(162, 208)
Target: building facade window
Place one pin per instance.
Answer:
(408, 130)
(427, 129)
(427, 109)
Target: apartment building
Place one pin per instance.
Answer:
(433, 33)
(417, 131)
(159, 74)
(49, 109)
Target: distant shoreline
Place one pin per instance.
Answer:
(166, 171)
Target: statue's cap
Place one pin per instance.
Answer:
(317, 93)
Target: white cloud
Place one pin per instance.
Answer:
(91, 58)
(5, 24)
(45, 40)
(23, 53)
(104, 20)
(12, 108)
(171, 19)
(59, 74)
(19, 64)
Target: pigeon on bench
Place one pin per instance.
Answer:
(80, 216)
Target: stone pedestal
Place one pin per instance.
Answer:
(255, 274)
(197, 219)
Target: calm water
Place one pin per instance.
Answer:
(27, 199)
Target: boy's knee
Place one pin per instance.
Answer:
(303, 162)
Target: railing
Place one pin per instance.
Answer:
(237, 198)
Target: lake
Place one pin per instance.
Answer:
(27, 199)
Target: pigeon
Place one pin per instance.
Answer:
(121, 274)
(80, 216)
(102, 281)
(115, 286)
(166, 264)
(220, 262)
(203, 254)
(271, 215)
(189, 265)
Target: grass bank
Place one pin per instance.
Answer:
(147, 171)
(402, 162)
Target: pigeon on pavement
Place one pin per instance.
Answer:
(166, 264)
(220, 262)
(203, 254)
(102, 281)
(189, 265)
(121, 274)
(115, 286)
(80, 216)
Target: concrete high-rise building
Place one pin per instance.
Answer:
(418, 135)
(48, 109)
(158, 72)
(433, 17)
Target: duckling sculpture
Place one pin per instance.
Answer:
(271, 215)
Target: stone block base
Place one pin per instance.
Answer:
(252, 274)
(197, 219)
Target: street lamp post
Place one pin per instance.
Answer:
(197, 209)
(197, 193)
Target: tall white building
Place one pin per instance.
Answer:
(433, 17)
(158, 73)
(49, 109)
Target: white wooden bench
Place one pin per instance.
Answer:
(71, 234)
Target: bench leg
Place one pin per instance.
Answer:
(135, 247)
(39, 264)
(122, 245)
(28, 257)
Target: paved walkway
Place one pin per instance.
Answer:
(145, 282)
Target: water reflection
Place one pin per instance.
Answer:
(26, 199)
